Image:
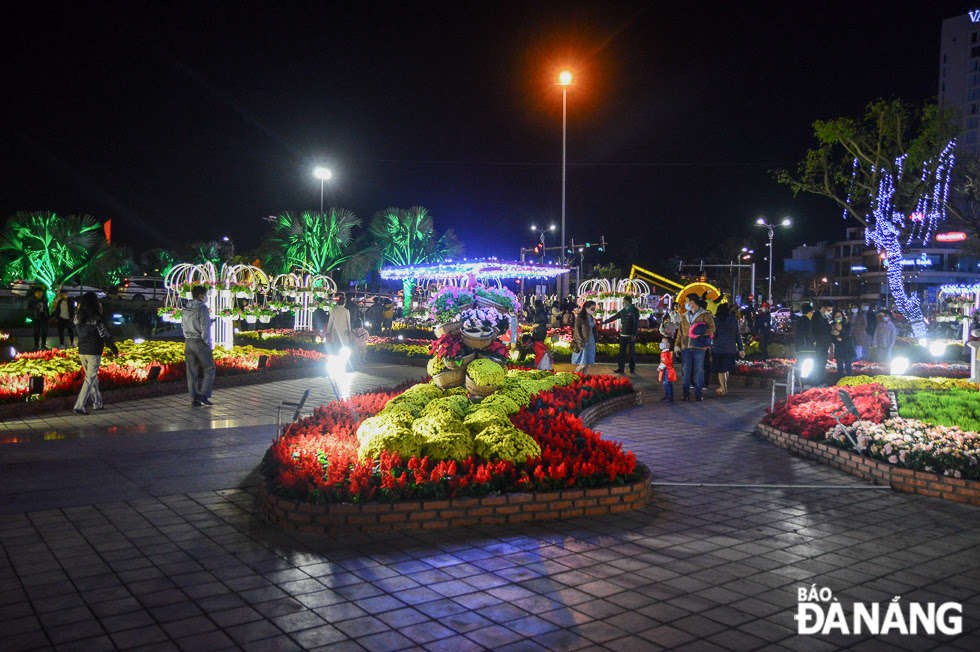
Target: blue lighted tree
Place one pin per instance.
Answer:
(889, 170)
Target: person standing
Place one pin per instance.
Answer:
(803, 331)
(338, 327)
(822, 340)
(584, 338)
(858, 322)
(358, 334)
(884, 338)
(195, 320)
(725, 345)
(693, 339)
(93, 337)
(375, 316)
(763, 326)
(387, 317)
(869, 313)
(144, 321)
(842, 333)
(667, 372)
(64, 312)
(540, 332)
(629, 327)
(37, 305)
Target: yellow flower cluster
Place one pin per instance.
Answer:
(907, 382)
(505, 442)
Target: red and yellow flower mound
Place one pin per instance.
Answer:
(809, 414)
(317, 460)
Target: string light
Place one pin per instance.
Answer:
(490, 268)
(888, 223)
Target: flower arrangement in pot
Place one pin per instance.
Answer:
(443, 375)
(481, 326)
(500, 298)
(496, 351)
(451, 350)
(169, 314)
(445, 307)
(483, 376)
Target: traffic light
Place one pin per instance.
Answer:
(602, 243)
(538, 248)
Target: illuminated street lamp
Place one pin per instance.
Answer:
(322, 174)
(564, 80)
(762, 222)
(542, 232)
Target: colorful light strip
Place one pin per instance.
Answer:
(952, 236)
(477, 268)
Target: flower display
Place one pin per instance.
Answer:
(912, 444)
(483, 320)
(485, 372)
(435, 366)
(446, 304)
(809, 414)
(63, 375)
(779, 367)
(318, 457)
(505, 442)
(449, 347)
(501, 296)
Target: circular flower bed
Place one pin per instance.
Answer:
(421, 442)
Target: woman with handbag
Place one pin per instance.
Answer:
(584, 338)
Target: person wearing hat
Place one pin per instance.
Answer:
(374, 316)
(693, 339)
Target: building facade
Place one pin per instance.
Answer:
(959, 74)
(856, 272)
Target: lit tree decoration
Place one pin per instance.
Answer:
(887, 224)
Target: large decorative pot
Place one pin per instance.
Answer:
(479, 390)
(479, 340)
(447, 328)
(450, 378)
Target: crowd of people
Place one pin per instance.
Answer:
(832, 332)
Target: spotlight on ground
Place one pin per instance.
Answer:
(937, 349)
(806, 367)
(899, 366)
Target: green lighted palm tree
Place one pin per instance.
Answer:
(408, 237)
(50, 249)
(319, 244)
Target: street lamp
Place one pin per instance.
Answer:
(542, 232)
(762, 222)
(564, 80)
(322, 174)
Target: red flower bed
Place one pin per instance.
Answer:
(316, 458)
(809, 414)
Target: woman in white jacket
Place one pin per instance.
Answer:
(338, 328)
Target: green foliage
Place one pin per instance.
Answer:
(485, 372)
(157, 262)
(949, 407)
(408, 237)
(506, 443)
(319, 244)
(49, 248)
(608, 272)
(887, 130)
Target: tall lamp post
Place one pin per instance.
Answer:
(762, 222)
(542, 232)
(322, 174)
(564, 80)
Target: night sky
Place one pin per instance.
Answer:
(187, 121)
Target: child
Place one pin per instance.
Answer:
(667, 373)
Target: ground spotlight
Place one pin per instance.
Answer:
(923, 341)
(899, 366)
(937, 349)
(138, 340)
(806, 367)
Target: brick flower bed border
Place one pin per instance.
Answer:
(876, 471)
(375, 517)
(59, 403)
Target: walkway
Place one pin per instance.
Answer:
(148, 538)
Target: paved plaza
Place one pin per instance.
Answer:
(138, 528)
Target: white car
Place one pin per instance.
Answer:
(782, 314)
(143, 288)
(24, 288)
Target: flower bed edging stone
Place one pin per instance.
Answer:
(376, 517)
(876, 471)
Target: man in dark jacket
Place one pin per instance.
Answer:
(822, 340)
(628, 329)
(803, 331)
(38, 307)
(64, 312)
(540, 332)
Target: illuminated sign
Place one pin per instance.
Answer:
(858, 268)
(974, 16)
(921, 261)
(952, 236)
